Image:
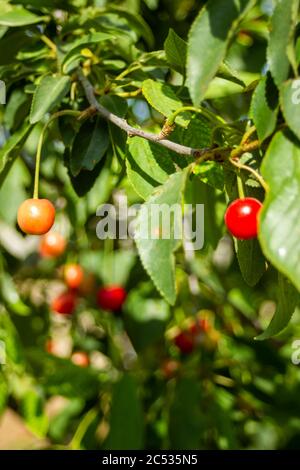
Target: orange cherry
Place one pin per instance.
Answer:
(36, 216)
(52, 245)
(80, 358)
(73, 275)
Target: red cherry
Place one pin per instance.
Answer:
(52, 245)
(36, 216)
(73, 275)
(64, 304)
(80, 358)
(111, 297)
(241, 218)
(185, 342)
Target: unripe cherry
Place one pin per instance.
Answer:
(36, 216)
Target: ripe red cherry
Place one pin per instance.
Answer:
(36, 216)
(64, 304)
(73, 275)
(80, 358)
(111, 297)
(52, 245)
(185, 342)
(241, 218)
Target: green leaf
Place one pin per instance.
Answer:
(16, 109)
(48, 94)
(210, 173)
(176, 51)
(283, 24)
(156, 236)
(187, 422)
(198, 133)
(126, 417)
(264, 107)
(148, 165)
(227, 73)
(89, 146)
(11, 150)
(251, 260)
(208, 42)
(279, 219)
(85, 180)
(33, 410)
(145, 316)
(162, 98)
(71, 58)
(289, 100)
(20, 17)
(115, 104)
(287, 301)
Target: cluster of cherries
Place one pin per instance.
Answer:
(36, 217)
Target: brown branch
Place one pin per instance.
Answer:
(218, 153)
(130, 130)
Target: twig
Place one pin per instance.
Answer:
(130, 130)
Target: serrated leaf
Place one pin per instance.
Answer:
(74, 53)
(287, 301)
(148, 165)
(11, 150)
(156, 252)
(198, 133)
(20, 17)
(208, 42)
(227, 73)
(283, 24)
(176, 50)
(279, 219)
(210, 173)
(289, 100)
(89, 146)
(264, 107)
(162, 98)
(48, 94)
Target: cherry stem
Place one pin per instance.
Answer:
(259, 178)
(240, 186)
(208, 114)
(66, 112)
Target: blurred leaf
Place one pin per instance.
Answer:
(156, 248)
(11, 150)
(32, 406)
(187, 421)
(251, 260)
(20, 17)
(146, 317)
(48, 94)
(126, 417)
(12, 192)
(288, 298)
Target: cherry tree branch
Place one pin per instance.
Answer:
(130, 130)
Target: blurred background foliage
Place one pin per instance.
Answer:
(140, 390)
